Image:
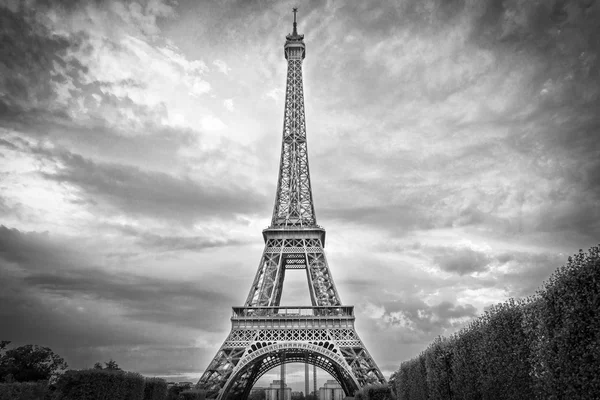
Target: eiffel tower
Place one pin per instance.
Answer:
(264, 334)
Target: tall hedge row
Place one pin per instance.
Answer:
(24, 390)
(374, 392)
(96, 384)
(192, 394)
(155, 389)
(89, 384)
(544, 347)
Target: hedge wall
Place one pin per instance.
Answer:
(174, 391)
(96, 384)
(23, 390)
(544, 347)
(374, 392)
(192, 394)
(155, 389)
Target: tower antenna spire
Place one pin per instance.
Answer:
(295, 10)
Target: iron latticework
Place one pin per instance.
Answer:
(264, 334)
(293, 200)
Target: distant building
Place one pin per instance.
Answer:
(331, 391)
(273, 392)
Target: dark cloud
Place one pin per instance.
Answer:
(527, 271)
(8, 145)
(460, 260)
(153, 194)
(51, 267)
(155, 242)
(416, 320)
(153, 300)
(53, 289)
(45, 84)
(7, 209)
(391, 216)
(28, 51)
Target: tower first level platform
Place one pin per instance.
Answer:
(263, 338)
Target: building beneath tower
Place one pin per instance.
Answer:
(273, 392)
(331, 391)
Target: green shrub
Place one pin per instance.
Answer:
(155, 389)
(377, 392)
(568, 329)
(24, 390)
(411, 381)
(505, 354)
(174, 391)
(192, 394)
(466, 363)
(438, 361)
(95, 384)
(401, 382)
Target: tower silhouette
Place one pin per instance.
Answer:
(264, 334)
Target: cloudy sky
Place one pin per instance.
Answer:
(454, 151)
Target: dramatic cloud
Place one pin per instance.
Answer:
(82, 307)
(135, 191)
(453, 153)
(461, 261)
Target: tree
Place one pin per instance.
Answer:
(311, 396)
(392, 383)
(297, 396)
(174, 391)
(30, 363)
(112, 365)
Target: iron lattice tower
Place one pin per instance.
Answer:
(264, 334)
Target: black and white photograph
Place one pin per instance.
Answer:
(299, 200)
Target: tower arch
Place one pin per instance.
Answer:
(264, 359)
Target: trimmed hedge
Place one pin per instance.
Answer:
(155, 389)
(544, 347)
(374, 392)
(24, 390)
(174, 391)
(97, 384)
(411, 381)
(192, 394)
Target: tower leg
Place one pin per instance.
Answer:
(282, 381)
(306, 383)
(315, 381)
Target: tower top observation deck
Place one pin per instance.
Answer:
(294, 45)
